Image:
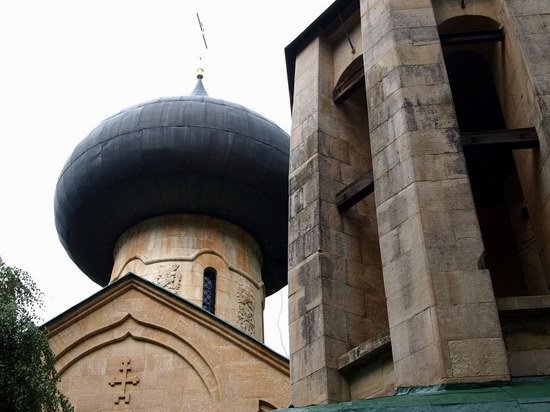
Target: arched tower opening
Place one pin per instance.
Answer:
(357, 207)
(474, 57)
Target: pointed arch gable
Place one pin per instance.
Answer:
(129, 297)
(145, 332)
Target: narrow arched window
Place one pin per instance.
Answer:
(209, 290)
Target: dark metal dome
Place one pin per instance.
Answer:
(191, 154)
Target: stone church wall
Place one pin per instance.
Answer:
(133, 346)
(336, 291)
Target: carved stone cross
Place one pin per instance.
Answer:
(123, 380)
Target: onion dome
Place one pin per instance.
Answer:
(191, 154)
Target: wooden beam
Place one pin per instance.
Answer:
(355, 192)
(484, 36)
(346, 88)
(512, 139)
(365, 352)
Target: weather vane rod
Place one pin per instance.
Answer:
(202, 31)
(200, 70)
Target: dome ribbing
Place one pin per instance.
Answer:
(191, 154)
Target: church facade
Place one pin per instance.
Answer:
(135, 346)
(178, 206)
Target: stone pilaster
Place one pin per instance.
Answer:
(527, 26)
(317, 320)
(443, 318)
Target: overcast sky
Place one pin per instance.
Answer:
(67, 65)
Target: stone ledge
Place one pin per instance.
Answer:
(523, 304)
(364, 352)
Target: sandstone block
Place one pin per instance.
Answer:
(454, 288)
(407, 302)
(421, 368)
(527, 7)
(468, 321)
(478, 358)
(413, 335)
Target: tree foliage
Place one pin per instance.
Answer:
(28, 379)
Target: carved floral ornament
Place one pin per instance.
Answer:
(245, 314)
(169, 278)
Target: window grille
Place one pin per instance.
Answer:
(209, 290)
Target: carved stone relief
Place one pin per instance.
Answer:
(169, 278)
(245, 315)
(123, 379)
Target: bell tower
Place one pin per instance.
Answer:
(420, 135)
